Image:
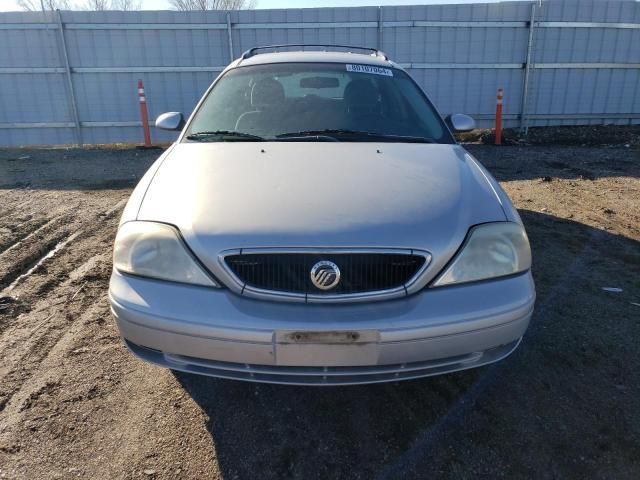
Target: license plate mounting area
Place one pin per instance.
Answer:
(326, 348)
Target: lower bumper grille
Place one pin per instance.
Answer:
(359, 272)
(323, 375)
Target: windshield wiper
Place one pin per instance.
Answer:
(204, 136)
(402, 138)
(355, 133)
(316, 133)
(306, 136)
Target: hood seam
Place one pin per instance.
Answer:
(146, 190)
(484, 175)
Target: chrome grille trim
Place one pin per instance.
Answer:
(277, 295)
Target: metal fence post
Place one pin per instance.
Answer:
(72, 94)
(380, 27)
(230, 37)
(528, 66)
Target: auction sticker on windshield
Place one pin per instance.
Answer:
(369, 69)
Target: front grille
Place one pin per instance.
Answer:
(291, 272)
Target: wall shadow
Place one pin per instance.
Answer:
(115, 167)
(93, 168)
(508, 163)
(354, 432)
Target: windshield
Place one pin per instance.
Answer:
(316, 102)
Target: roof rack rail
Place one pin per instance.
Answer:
(255, 50)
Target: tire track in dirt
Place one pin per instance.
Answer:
(31, 383)
(30, 255)
(29, 339)
(25, 226)
(51, 248)
(90, 377)
(22, 256)
(64, 349)
(11, 234)
(50, 288)
(36, 257)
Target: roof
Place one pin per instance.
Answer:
(314, 56)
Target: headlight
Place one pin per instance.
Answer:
(490, 250)
(156, 250)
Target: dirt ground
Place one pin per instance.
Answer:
(75, 404)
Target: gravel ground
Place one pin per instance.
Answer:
(587, 135)
(75, 404)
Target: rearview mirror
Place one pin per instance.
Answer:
(319, 82)
(459, 122)
(170, 121)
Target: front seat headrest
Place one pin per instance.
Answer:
(360, 93)
(267, 92)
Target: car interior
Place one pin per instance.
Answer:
(362, 106)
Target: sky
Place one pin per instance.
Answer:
(11, 5)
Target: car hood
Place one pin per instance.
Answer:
(316, 194)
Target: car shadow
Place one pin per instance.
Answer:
(275, 431)
(318, 432)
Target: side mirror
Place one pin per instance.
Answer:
(170, 121)
(459, 122)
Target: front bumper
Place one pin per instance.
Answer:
(215, 332)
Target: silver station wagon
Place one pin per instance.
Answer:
(316, 223)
